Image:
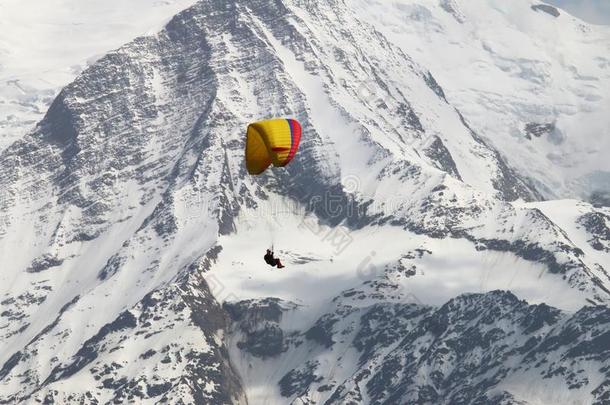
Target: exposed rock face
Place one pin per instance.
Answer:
(538, 130)
(258, 323)
(470, 350)
(597, 226)
(547, 9)
(193, 369)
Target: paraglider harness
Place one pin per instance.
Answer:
(272, 261)
(269, 258)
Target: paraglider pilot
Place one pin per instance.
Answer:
(272, 261)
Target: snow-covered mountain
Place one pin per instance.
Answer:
(45, 45)
(531, 79)
(132, 235)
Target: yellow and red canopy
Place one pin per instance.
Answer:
(272, 141)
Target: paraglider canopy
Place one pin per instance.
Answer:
(272, 141)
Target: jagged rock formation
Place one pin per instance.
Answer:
(388, 352)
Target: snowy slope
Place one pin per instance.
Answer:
(45, 45)
(127, 218)
(530, 79)
(477, 348)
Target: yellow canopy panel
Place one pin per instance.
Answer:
(272, 141)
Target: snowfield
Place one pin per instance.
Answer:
(322, 261)
(45, 45)
(506, 67)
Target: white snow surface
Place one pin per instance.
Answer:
(505, 66)
(44, 45)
